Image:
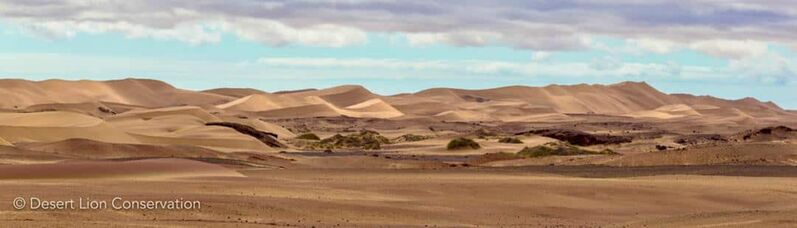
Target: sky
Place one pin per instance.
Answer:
(726, 48)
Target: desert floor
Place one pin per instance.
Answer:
(709, 196)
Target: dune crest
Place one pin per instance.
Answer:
(512, 103)
(17, 93)
(353, 101)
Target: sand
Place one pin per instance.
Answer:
(144, 169)
(686, 161)
(351, 101)
(458, 198)
(55, 126)
(143, 92)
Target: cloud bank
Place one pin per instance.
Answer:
(731, 28)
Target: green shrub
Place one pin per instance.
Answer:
(511, 140)
(558, 149)
(484, 133)
(308, 136)
(462, 143)
(411, 138)
(365, 139)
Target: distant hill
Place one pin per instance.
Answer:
(513, 103)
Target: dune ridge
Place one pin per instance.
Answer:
(18, 93)
(353, 101)
(511, 103)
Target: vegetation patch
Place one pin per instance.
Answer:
(365, 139)
(462, 143)
(579, 137)
(484, 133)
(308, 136)
(411, 138)
(769, 133)
(558, 149)
(511, 140)
(695, 139)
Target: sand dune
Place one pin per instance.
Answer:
(97, 109)
(667, 112)
(125, 111)
(16, 93)
(144, 114)
(519, 103)
(185, 130)
(514, 103)
(185, 126)
(351, 101)
(261, 102)
(463, 115)
(56, 126)
(613, 99)
(235, 92)
(281, 132)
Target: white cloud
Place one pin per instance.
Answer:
(354, 63)
(769, 68)
(606, 63)
(190, 33)
(657, 46)
(275, 33)
(708, 25)
(424, 39)
(731, 49)
(459, 38)
(540, 55)
(608, 67)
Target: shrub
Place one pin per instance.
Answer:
(483, 133)
(411, 138)
(579, 137)
(308, 136)
(462, 143)
(511, 140)
(365, 139)
(557, 149)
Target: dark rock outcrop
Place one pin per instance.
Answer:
(579, 138)
(267, 138)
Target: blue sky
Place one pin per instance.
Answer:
(732, 50)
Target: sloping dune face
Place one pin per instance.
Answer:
(56, 126)
(235, 92)
(613, 99)
(353, 101)
(149, 93)
(184, 126)
(667, 112)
